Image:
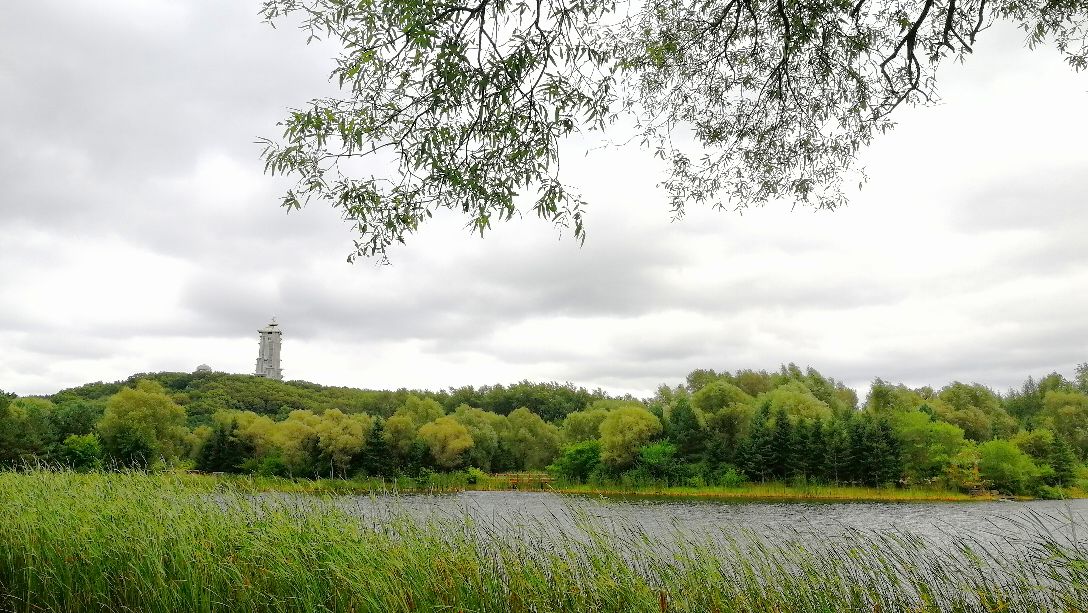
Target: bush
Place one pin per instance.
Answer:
(272, 466)
(731, 477)
(577, 462)
(1006, 467)
(638, 477)
(82, 452)
(1049, 492)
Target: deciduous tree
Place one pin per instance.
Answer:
(928, 446)
(578, 461)
(481, 426)
(533, 442)
(142, 424)
(447, 439)
(469, 103)
(624, 432)
(1005, 467)
(1066, 413)
(26, 429)
(582, 426)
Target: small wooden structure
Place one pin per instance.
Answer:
(523, 481)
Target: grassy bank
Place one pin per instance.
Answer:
(162, 543)
(444, 482)
(780, 491)
(456, 482)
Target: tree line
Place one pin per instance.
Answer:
(717, 428)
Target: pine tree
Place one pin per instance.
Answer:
(817, 452)
(685, 432)
(717, 453)
(755, 453)
(1063, 461)
(858, 468)
(801, 447)
(837, 455)
(224, 451)
(781, 445)
(889, 462)
(209, 458)
(374, 459)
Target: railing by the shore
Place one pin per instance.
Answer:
(522, 481)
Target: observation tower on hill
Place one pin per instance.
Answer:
(268, 356)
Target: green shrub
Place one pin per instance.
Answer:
(731, 477)
(1050, 492)
(1006, 467)
(82, 452)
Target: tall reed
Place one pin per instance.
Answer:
(132, 542)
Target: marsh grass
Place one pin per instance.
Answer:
(159, 543)
(781, 491)
(432, 483)
(435, 483)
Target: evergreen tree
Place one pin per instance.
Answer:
(781, 445)
(756, 453)
(861, 450)
(578, 461)
(817, 452)
(375, 459)
(503, 459)
(837, 456)
(314, 462)
(685, 432)
(1063, 461)
(888, 460)
(801, 447)
(717, 452)
(224, 451)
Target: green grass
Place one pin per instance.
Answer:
(780, 491)
(165, 543)
(432, 483)
(456, 482)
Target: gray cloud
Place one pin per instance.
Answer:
(140, 233)
(1052, 202)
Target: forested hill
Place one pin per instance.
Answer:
(204, 393)
(716, 428)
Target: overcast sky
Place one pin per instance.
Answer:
(139, 234)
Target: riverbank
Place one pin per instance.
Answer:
(783, 492)
(158, 543)
(440, 483)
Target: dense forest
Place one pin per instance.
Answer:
(718, 428)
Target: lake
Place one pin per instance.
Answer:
(1002, 524)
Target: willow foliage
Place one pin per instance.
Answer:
(464, 107)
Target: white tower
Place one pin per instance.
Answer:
(268, 357)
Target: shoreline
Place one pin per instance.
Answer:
(782, 494)
(752, 492)
(160, 543)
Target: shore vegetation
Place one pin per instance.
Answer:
(164, 543)
(794, 432)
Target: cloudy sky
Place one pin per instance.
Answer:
(139, 234)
